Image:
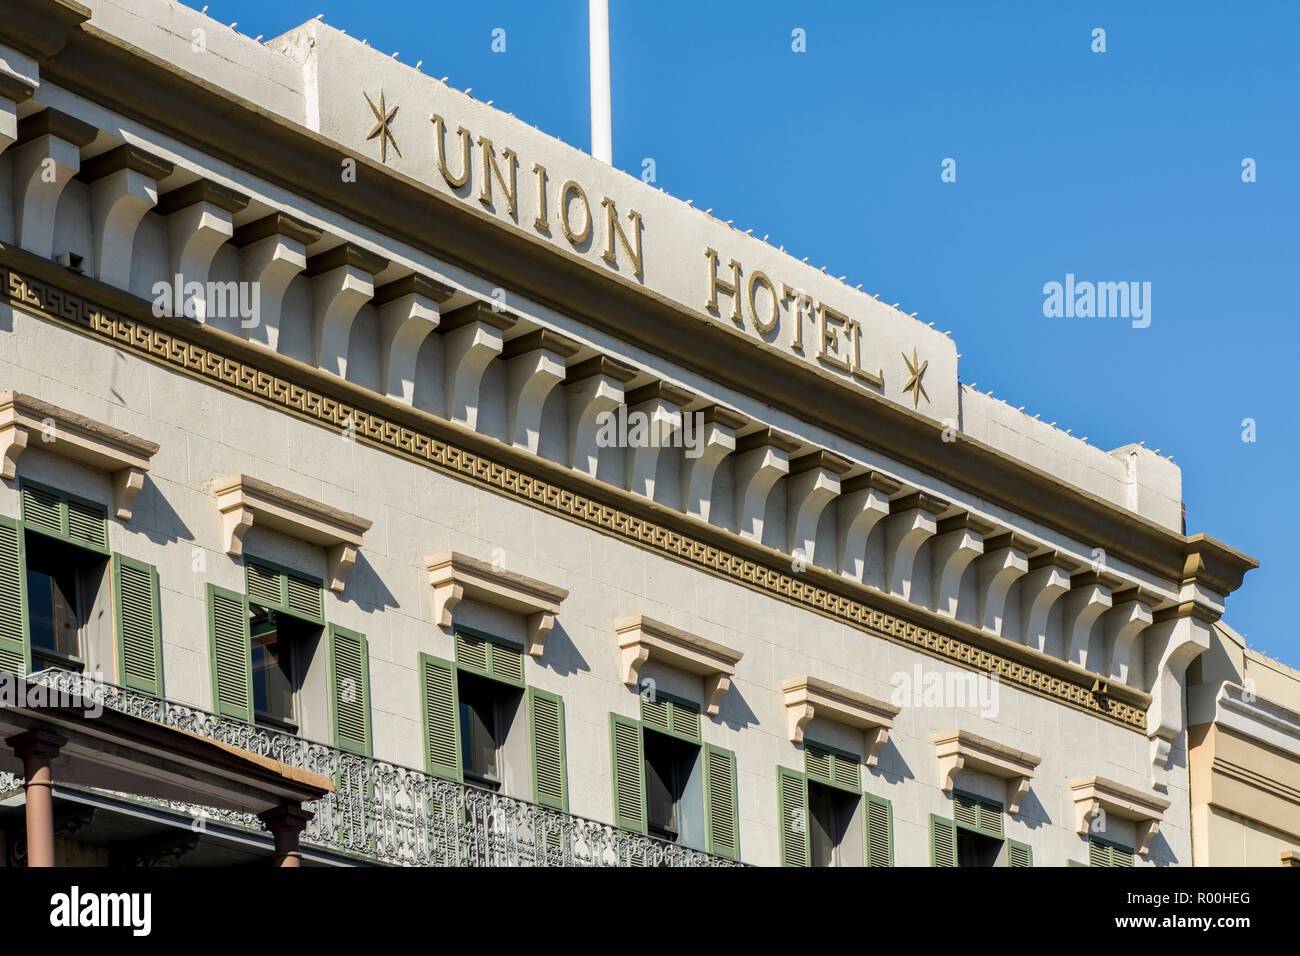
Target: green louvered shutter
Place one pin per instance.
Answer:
(15, 649)
(349, 670)
(139, 626)
(439, 705)
(943, 842)
(792, 808)
(627, 762)
(1019, 854)
(977, 813)
(507, 663)
(671, 716)
(546, 730)
(42, 509)
(880, 831)
(304, 598)
(87, 524)
(722, 818)
(1075, 863)
(836, 768)
(1107, 854)
(263, 585)
(229, 652)
(59, 514)
(471, 652)
(279, 589)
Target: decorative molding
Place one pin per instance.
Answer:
(244, 501)
(813, 483)
(642, 638)
(962, 750)
(807, 697)
(45, 157)
(455, 576)
(1091, 794)
(26, 420)
(863, 503)
(222, 361)
(123, 187)
(273, 251)
(910, 524)
(718, 441)
(342, 281)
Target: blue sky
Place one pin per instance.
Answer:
(1117, 166)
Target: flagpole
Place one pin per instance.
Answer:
(602, 134)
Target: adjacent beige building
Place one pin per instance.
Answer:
(1244, 738)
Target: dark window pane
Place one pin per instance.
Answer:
(479, 737)
(830, 813)
(668, 764)
(821, 826)
(272, 658)
(975, 849)
(53, 613)
(661, 799)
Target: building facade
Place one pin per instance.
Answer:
(1244, 735)
(353, 423)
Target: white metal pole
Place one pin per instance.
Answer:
(602, 133)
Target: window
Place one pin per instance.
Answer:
(483, 725)
(975, 837)
(670, 785)
(977, 849)
(669, 766)
(826, 819)
(487, 716)
(58, 607)
(277, 643)
(830, 816)
(63, 580)
(56, 598)
(276, 663)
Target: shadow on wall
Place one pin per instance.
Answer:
(734, 712)
(1161, 853)
(560, 654)
(1032, 812)
(162, 524)
(366, 589)
(890, 765)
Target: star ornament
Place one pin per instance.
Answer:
(383, 125)
(915, 370)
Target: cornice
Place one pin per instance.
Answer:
(161, 96)
(1093, 794)
(961, 750)
(243, 501)
(642, 639)
(455, 576)
(25, 420)
(807, 697)
(279, 382)
(42, 27)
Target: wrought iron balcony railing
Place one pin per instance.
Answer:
(391, 814)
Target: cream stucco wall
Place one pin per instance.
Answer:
(204, 433)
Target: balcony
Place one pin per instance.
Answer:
(387, 814)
